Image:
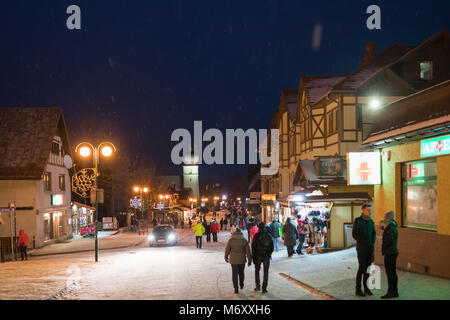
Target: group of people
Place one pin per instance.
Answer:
(204, 228)
(237, 253)
(365, 236)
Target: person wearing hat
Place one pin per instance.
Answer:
(390, 252)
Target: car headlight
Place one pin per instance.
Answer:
(171, 236)
(151, 237)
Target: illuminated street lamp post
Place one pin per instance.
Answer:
(106, 149)
(141, 191)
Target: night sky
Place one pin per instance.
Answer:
(145, 68)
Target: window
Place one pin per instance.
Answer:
(331, 122)
(426, 70)
(56, 148)
(62, 182)
(47, 180)
(420, 195)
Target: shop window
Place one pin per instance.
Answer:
(62, 182)
(426, 70)
(419, 181)
(47, 180)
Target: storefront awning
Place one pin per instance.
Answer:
(78, 204)
(344, 197)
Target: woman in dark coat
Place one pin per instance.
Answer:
(390, 252)
(290, 236)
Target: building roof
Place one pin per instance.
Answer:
(26, 140)
(368, 71)
(383, 61)
(318, 86)
(419, 112)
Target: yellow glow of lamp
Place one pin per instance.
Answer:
(145, 189)
(136, 189)
(85, 151)
(161, 196)
(107, 151)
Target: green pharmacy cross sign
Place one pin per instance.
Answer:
(435, 146)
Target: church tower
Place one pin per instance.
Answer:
(190, 175)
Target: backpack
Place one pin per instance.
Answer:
(265, 244)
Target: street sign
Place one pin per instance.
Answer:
(364, 168)
(5, 210)
(435, 146)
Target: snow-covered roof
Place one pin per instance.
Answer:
(317, 87)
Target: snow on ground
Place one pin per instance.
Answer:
(185, 272)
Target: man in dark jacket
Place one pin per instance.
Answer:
(365, 235)
(390, 252)
(290, 236)
(207, 230)
(262, 248)
(235, 252)
(275, 232)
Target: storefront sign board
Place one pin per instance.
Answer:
(364, 168)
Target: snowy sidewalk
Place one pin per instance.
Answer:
(106, 240)
(334, 273)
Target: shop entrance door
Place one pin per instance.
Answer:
(48, 226)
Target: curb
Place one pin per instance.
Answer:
(321, 294)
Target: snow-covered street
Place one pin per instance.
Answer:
(185, 272)
(141, 272)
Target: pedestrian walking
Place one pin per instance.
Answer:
(214, 230)
(221, 224)
(254, 230)
(182, 223)
(302, 231)
(22, 243)
(199, 230)
(290, 236)
(207, 231)
(365, 235)
(390, 252)
(275, 232)
(236, 251)
(190, 223)
(154, 222)
(225, 223)
(262, 248)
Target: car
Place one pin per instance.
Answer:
(163, 234)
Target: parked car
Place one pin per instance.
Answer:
(163, 234)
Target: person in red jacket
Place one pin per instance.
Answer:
(214, 230)
(23, 244)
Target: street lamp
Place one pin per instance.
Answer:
(106, 149)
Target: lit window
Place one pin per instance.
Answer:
(426, 69)
(47, 180)
(62, 182)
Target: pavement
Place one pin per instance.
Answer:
(334, 273)
(106, 240)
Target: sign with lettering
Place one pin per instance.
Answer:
(364, 168)
(435, 146)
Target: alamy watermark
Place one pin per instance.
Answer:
(235, 147)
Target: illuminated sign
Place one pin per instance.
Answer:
(435, 146)
(364, 168)
(57, 199)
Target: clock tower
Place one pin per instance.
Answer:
(190, 174)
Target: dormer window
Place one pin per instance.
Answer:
(426, 70)
(56, 148)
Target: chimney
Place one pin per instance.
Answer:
(370, 54)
